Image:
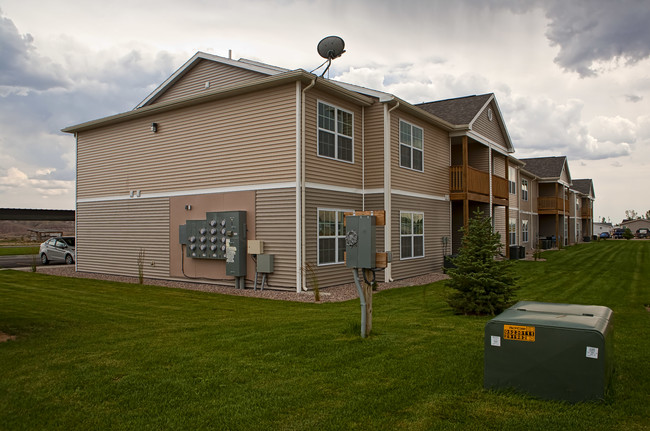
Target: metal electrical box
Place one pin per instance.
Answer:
(221, 236)
(552, 351)
(360, 238)
(265, 263)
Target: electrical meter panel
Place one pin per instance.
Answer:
(221, 236)
(360, 241)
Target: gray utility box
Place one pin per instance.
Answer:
(551, 351)
(360, 241)
(265, 263)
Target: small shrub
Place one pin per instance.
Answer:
(482, 283)
(628, 233)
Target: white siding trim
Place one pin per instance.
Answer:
(144, 195)
(420, 195)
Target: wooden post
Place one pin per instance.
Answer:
(367, 291)
(508, 211)
(465, 182)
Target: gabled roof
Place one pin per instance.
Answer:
(458, 111)
(584, 186)
(242, 63)
(547, 168)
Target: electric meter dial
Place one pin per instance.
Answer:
(203, 239)
(223, 231)
(213, 239)
(213, 223)
(213, 247)
(223, 222)
(203, 231)
(192, 238)
(192, 246)
(203, 247)
(223, 248)
(213, 231)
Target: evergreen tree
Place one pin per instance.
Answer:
(483, 284)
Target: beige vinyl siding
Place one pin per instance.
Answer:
(325, 170)
(498, 165)
(375, 202)
(565, 176)
(275, 224)
(248, 139)
(436, 226)
(501, 225)
(374, 146)
(478, 156)
(111, 234)
(493, 130)
(434, 179)
(331, 274)
(219, 75)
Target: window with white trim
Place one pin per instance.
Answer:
(524, 190)
(524, 231)
(331, 236)
(513, 231)
(411, 235)
(411, 139)
(512, 184)
(335, 133)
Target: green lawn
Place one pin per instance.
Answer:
(12, 251)
(100, 355)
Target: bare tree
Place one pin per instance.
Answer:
(630, 214)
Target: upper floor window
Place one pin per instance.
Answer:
(512, 176)
(411, 140)
(524, 190)
(411, 234)
(335, 133)
(331, 236)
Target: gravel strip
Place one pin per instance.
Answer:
(340, 293)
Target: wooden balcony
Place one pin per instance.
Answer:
(552, 205)
(478, 186)
(585, 212)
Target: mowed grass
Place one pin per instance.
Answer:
(101, 355)
(13, 251)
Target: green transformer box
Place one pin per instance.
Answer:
(551, 351)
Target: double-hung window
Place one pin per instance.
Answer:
(411, 140)
(513, 231)
(512, 183)
(524, 190)
(331, 236)
(411, 235)
(524, 231)
(335, 137)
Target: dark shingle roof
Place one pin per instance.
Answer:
(545, 167)
(457, 111)
(583, 186)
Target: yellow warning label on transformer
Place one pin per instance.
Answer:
(519, 333)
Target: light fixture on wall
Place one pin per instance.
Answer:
(154, 127)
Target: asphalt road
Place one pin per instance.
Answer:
(19, 261)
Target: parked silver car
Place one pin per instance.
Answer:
(59, 249)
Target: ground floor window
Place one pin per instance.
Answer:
(411, 235)
(513, 231)
(331, 236)
(524, 231)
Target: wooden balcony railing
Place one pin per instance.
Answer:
(552, 203)
(585, 212)
(477, 182)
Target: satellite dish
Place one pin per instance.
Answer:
(331, 47)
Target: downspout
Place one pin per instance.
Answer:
(303, 241)
(387, 186)
(76, 196)
(363, 158)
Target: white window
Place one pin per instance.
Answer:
(512, 184)
(411, 235)
(335, 133)
(524, 231)
(513, 231)
(411, 140)
(524, 190)
(331, 236)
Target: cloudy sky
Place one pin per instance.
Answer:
(571, 77)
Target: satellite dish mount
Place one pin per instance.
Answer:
(330, 48)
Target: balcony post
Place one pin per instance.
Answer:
(465, 182)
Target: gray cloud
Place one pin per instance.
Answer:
(22, 68)
(633, 98)
(594, 35)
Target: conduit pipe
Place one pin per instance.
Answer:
(362, 300)
(303, 218)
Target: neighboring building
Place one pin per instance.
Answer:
(296, 151)
(635, 225)
(602, 227)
